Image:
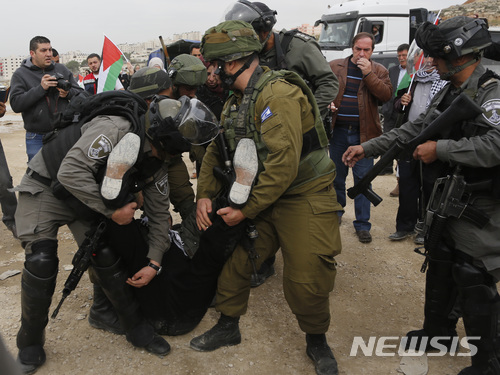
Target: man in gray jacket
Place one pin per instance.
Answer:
(40, 88)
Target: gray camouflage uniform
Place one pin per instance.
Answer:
(40, 214)
(481, 151)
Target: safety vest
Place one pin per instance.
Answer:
(239, 122)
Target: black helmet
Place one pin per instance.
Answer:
(174, 125)
(453, 37)
(255, 13)
(147, 82)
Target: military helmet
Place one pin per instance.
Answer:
(230, 40)
(259, 15)
(453, 37)
(149, 81)
(187, 70)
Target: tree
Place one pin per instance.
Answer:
(73, 66)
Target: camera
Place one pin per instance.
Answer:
(62, 82)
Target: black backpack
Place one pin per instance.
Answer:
(82, 109)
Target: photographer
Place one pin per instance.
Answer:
(39, 89)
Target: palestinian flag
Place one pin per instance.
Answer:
(404, 84)
(111, 66)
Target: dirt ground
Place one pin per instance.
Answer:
(379, 292)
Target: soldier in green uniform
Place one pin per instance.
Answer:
(291, 50)
(464, 263)
(293, 191)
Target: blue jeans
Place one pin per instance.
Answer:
(33, 143)
(341, 139)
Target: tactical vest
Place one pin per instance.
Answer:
(57, 144)
(239, 122)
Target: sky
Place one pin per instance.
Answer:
(75, 25)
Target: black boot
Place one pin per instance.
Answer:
(36, 296)
(138, 331)
(265, 271)
(480, 303)
(440, 298)
(102, 314)
(225, 333)
(321, 354)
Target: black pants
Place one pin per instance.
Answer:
(185, 287)
(409, 193)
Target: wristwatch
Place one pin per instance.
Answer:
(155, 267)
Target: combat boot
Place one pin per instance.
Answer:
(36, 296)
(440, 298)
(480, 304)
(114, 188)
(265, 271)
(321, 354)
(102, 315)
(246, 164)
(225, 333)
(138, 331)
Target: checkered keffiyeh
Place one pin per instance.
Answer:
(437, 83)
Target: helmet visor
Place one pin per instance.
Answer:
(198, 125)
(240, 12)
(417, 61)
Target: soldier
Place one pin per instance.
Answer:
(291, 50)
(279, 112)
(188, 74)
(62, 187)
(464, 266)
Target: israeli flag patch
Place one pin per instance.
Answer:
(265, 114)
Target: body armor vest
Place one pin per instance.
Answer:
(239, 122)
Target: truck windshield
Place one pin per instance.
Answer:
(337, 35)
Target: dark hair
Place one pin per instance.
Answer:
(363, 35)
(54, 52)
(36, 41)
(93, 55)
(404, 46)
(194, 45)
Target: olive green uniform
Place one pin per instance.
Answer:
(301, 220)
(304, 57)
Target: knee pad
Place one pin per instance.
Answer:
(43, 261)
(104, 257)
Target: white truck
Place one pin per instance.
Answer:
(395, 21)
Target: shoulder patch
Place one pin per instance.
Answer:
(491, 109)
(162, 185)
(265, 114)
(100, 148)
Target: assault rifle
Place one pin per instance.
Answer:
(449, 199)
(462, 108)
(81, 262)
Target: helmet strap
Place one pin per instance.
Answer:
(228, 80)
(452, 70)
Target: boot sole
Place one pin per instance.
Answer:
(245, 167)
(120, 160)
